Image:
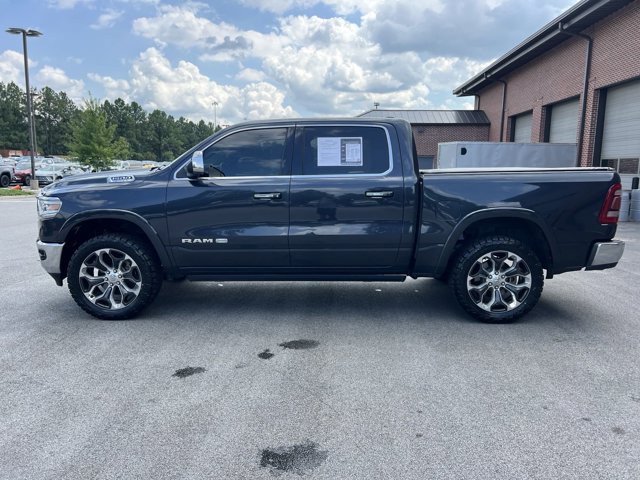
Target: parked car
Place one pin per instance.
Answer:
(6, 174)
(22, 174)
(52, 172)
(349, 205)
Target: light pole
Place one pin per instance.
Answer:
(32, 127)
(33, 123)
(215, 115)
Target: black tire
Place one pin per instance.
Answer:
(134, 282)
(480, 288)
(27, 180)
(5, 181)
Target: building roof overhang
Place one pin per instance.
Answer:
(432, 117)
(573, 21)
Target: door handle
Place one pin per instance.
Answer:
(379, 193)
(267, 196)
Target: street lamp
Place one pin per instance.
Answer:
(33, 124)
(32, 127)
(215, 115)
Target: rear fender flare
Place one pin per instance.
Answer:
(497, 214)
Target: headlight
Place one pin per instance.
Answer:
(48, 207)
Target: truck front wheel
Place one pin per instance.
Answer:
(114, 276)
(497, 279)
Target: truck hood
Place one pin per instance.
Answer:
(99, 179)
(114, 176)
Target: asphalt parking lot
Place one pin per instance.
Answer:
(319, 380)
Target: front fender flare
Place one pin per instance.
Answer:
(124, 215)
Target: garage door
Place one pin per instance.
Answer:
(620, 138)
(563, 127)
(522, 128)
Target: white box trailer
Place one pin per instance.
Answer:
(501, 154)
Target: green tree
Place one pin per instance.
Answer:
(54, 116)
(14, 128)
(93, 141)
(162, 136)
(130, 121)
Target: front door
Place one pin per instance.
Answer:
(237, 218)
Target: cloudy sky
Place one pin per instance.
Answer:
(266, 58)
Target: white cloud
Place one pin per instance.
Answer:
(279, 6)
(57, 79)
(250, 75)
(182, 27)
(341, 7)
(331, 68)
(107, 19)
(328, 66)
(182, 90)
(67, 4)
(12, 70)
(481, 29)
(12, 67)
(113, 88)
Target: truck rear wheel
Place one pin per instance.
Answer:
(497, 279)
(114, 276)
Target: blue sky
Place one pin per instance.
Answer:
(266, 58)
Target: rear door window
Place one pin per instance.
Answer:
(344, 150)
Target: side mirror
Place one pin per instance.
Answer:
(196, 165)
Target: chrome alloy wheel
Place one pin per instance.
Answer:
(499, 281)
(110, 279)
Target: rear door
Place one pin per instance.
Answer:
(346, 199)
(240, 221)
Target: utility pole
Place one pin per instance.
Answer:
(32, 128)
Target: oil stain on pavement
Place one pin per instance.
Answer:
(300, 344)
(188, 371)
(296, 459)
(266, 355)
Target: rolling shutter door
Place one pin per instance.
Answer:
(522, 128)
(564, 122)
(620, 136)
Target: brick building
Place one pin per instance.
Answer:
(431, 127)
(576, 80)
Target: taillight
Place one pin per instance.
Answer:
(610, 210)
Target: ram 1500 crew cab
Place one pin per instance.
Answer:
(330, 199)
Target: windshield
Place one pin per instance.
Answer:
(23, 165)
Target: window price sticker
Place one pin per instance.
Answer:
(339, 151)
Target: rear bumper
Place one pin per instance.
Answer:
(50, 257)
(605, 255)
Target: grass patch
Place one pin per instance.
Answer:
(5, 192)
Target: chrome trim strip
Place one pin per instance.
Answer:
(257, 127)
(606, 253)
(53, 251)
(337, 175)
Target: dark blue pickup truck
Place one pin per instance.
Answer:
(330, 199)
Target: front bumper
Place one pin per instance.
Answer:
(50, 257)
(605, 255)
